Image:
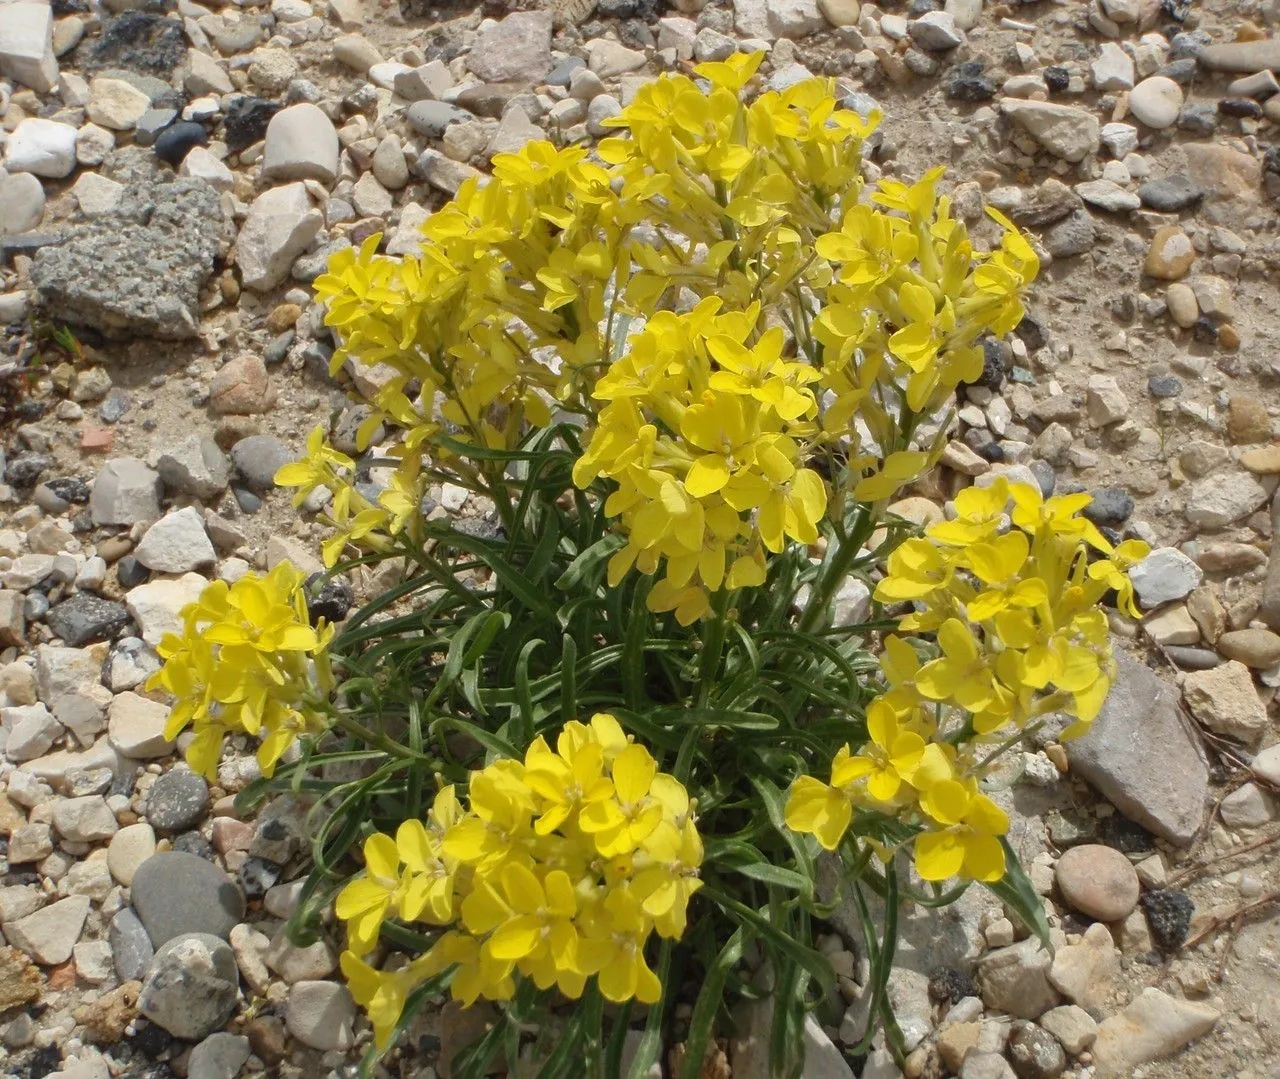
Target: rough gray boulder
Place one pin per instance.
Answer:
(136, 272)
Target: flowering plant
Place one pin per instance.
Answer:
(585, 758)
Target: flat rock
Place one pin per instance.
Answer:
(1165, 575)
(177, 801)
(175, 893)
(85, 820)
(279, 227)
(130, 945)
(135, 726)
(1015, 979)
(1154, 1026)
(1220, 500)
(515, 49)
(1163, 792)
(1064, 131)
(1222, 173)
(49, 935)
(177, 543)
(138, 270)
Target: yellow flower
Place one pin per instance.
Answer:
(620, 823)
(382, 994)
(365, 902)
(962, 674)
(966, 841)
(819, 810)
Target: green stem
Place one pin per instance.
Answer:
(375, 738)
(713, 640)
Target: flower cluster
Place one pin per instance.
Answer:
(1011, 587)
(248, 661)
(744, 337)
(559, 870)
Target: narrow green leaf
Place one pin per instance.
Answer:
(707, 1006)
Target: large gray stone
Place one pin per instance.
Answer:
(219, 1056)
(192, 986)
(137, 271)
(1064, 131)
(517, 49)
(1140, 756)
(175, 893)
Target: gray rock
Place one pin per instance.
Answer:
(85, 820)
(177, 543)
(1220, 500)
(279, 227)
(258, 458)
(137, 271)
(1015, 979)
(1074, 235)
(31, 731)
(195, 466)
(130, 946)
(516, 49)
(321, 1015)
(1064, 131)
(192, 986)
(935, 31)
(177, 801)
(125, 492)
(175, 893)
(431, 118)
(219, 1056)
(1163, 791)
(1035, 1053)
(50, 933)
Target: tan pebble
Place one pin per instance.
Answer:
(1170, 255)
(1098, 881)
(283, 317)
(1228, 337)
(1264, 461)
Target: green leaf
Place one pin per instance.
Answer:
(707, 1006)
(1016, 892)
(589, 562)
(649, 1047)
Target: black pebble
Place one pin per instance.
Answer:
(246, 122)
(1243, 107)
(1204, 331)
(178, 140)
(1164, 386)
(131, 573)
(1169, 917)
(1057, 79)
(1124, 835)
(246, 500)
(69, 488)
(948, 983)
(330, 600)
(968, 83)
